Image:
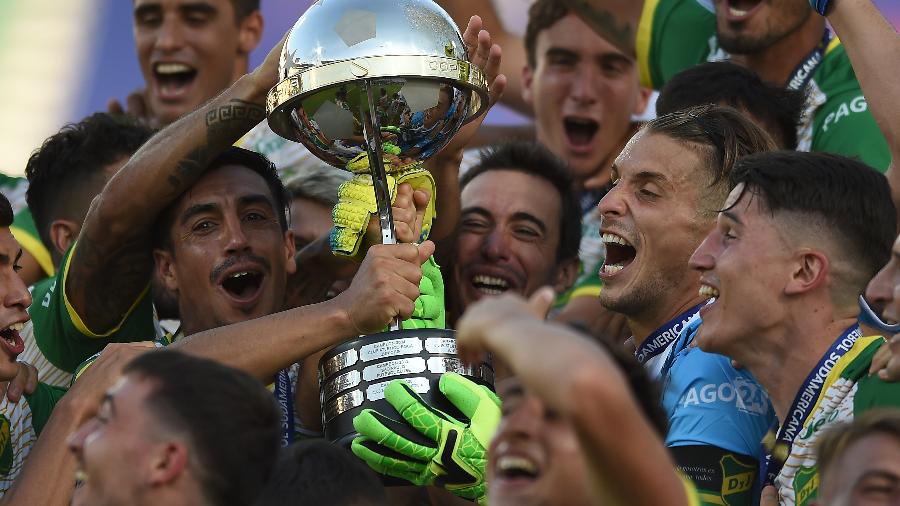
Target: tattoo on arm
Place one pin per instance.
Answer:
(108, 274)
(223, 123)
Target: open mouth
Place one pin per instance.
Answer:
(514, 467)
(173, 79)
(12, 341)
(619, 253)
(740, 10)
(580, 132)
(490, 285)
(243, 285)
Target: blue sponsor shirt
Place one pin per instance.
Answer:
(709, 402)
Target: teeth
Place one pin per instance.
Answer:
(736, 12)
(615, 239)
(16, 326)
(513, 463)
(612, 268)
(81, 476)
(708, 292)
(172, 68)
(490, 280)
(238, 275)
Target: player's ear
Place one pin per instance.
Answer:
(251, 29)
(527, 81)
(165, 268)
(63, 234)
(809, 271)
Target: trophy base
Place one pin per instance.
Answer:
(354, 375)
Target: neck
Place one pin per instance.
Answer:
(778, 366)
(776, 62)
(642, 326)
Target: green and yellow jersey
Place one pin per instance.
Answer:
(848, 390)
(20, 425)
(57, 340)
(674, 35)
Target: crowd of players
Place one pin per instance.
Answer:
(702, 272)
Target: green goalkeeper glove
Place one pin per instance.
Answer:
(455, 456)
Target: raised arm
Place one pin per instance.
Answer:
(112, 262)
(581, 382)
(874, 50)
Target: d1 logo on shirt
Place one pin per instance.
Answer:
(806, 485)
(6, 453)
(737, 478)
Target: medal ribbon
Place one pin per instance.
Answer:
(660, 339)
(802, 74)
(807, 398)
(285, 397)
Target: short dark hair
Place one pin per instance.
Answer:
(841, 199)
(243, 158)
(229, 419)
(67, 171)
(532, 158)
(541, 15)
(243, 8)
(726, 83)
(721, 135)
(324, 474)
(6, 212)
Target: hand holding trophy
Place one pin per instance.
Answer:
(376, 87)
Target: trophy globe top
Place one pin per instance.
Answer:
(398, 64)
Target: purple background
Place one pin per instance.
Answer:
(114, 71)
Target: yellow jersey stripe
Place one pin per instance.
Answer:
(858, 347)
(73, 315)
(644, 38)
(37, 249)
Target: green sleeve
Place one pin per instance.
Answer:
(26, 233)
(62, 336)
(844, 125)
(41, 403)
(873, 392)
(673, 35)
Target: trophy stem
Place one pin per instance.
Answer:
(372, 132)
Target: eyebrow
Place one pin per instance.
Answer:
(476, 210)
(559, 51)
(197, 8)
(145, 9)
(615, 58)
(513, 390)
(531, 218)
(733, 217)
(187, 8)
(18, 256)
(877, 473)
(196, 209)
(649, 175)
(256, 198)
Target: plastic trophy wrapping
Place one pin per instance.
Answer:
(376, 87)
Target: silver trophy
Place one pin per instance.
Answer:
(357, 76)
